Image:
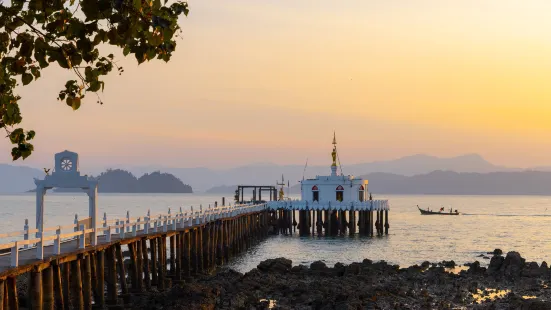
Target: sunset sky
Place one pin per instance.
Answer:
(268, 81)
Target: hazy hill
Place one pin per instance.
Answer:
(121, 181)
(453, 183)
(17, 179)
(266, 174)
(203, 179)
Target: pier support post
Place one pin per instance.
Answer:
(173, 255)
(200, 249)
(160, 267)
(100, 276)
(76, 285)
(112, 290)
(153, 249)
(146, 266)
(121, 270)
(371, 220)
(58, 288)
(386, 222)
(13, 299)
(87, 282)
(139, 264)
(178, 258)
(48, 288)
(206, 246)
(187, 254)
(3, 304)
(36, 290)
(66, 281)
(193, 250)
(133, 266)
(352, 222)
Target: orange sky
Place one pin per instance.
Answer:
(269, 81)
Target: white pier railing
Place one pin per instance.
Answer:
(148, 224)
(370, 205)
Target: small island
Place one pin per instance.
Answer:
(122, 181)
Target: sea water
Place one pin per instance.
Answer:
(511, 223)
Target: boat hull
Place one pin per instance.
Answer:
(425, 212)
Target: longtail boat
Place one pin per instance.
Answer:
(426, 212)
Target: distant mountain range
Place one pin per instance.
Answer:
(203, 179)
(384, 176)
(444, 183)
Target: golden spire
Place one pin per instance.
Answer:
(334, 153)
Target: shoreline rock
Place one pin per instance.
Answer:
(365, 285)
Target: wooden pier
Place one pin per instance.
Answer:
(70, 271)
(370, 218)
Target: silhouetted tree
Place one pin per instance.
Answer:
(37, 33)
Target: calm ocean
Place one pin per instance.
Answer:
(519, 223)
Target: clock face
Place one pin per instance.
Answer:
(66, 164)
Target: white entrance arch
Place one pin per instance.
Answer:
(66, 175)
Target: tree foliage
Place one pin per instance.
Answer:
(37, 33)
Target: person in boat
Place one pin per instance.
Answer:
(456, 211)
(441, 209)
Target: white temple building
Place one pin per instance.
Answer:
(333, 192)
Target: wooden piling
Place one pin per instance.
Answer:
(48, 298)
(93, 263)
(4, 294)
(352, 222)
(13, 299)
(213, 245)
(386, 222)
(139, 264)
(121, 269)
(112, 290)
(133, 266)
(66, 281)
(200, 249)
(160, 267)
(220, 242)
(206, 246)
(371, 220)
(178, 256)
(76, 286)
(154, 275)
(193, 251)
(3, 304)
(100, 275)
(87, 282)
(172, 248)
(187, 254)
(145, 259)
(36, 290)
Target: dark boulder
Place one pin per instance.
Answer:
(279, 265)
(318, 265)
(512, 265)
(495, 264)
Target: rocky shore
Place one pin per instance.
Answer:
(277, 284)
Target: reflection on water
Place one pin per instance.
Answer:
(489, 294)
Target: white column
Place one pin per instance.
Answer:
(40, 193)
(93, 209)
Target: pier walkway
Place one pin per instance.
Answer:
(86, 267)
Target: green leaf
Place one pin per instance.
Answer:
(30, 135)
(35, 72)
(26, 78)
(126, 50)
(138, 4)
(94, 86)
(76, 103)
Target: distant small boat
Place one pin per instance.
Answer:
(426, 212)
